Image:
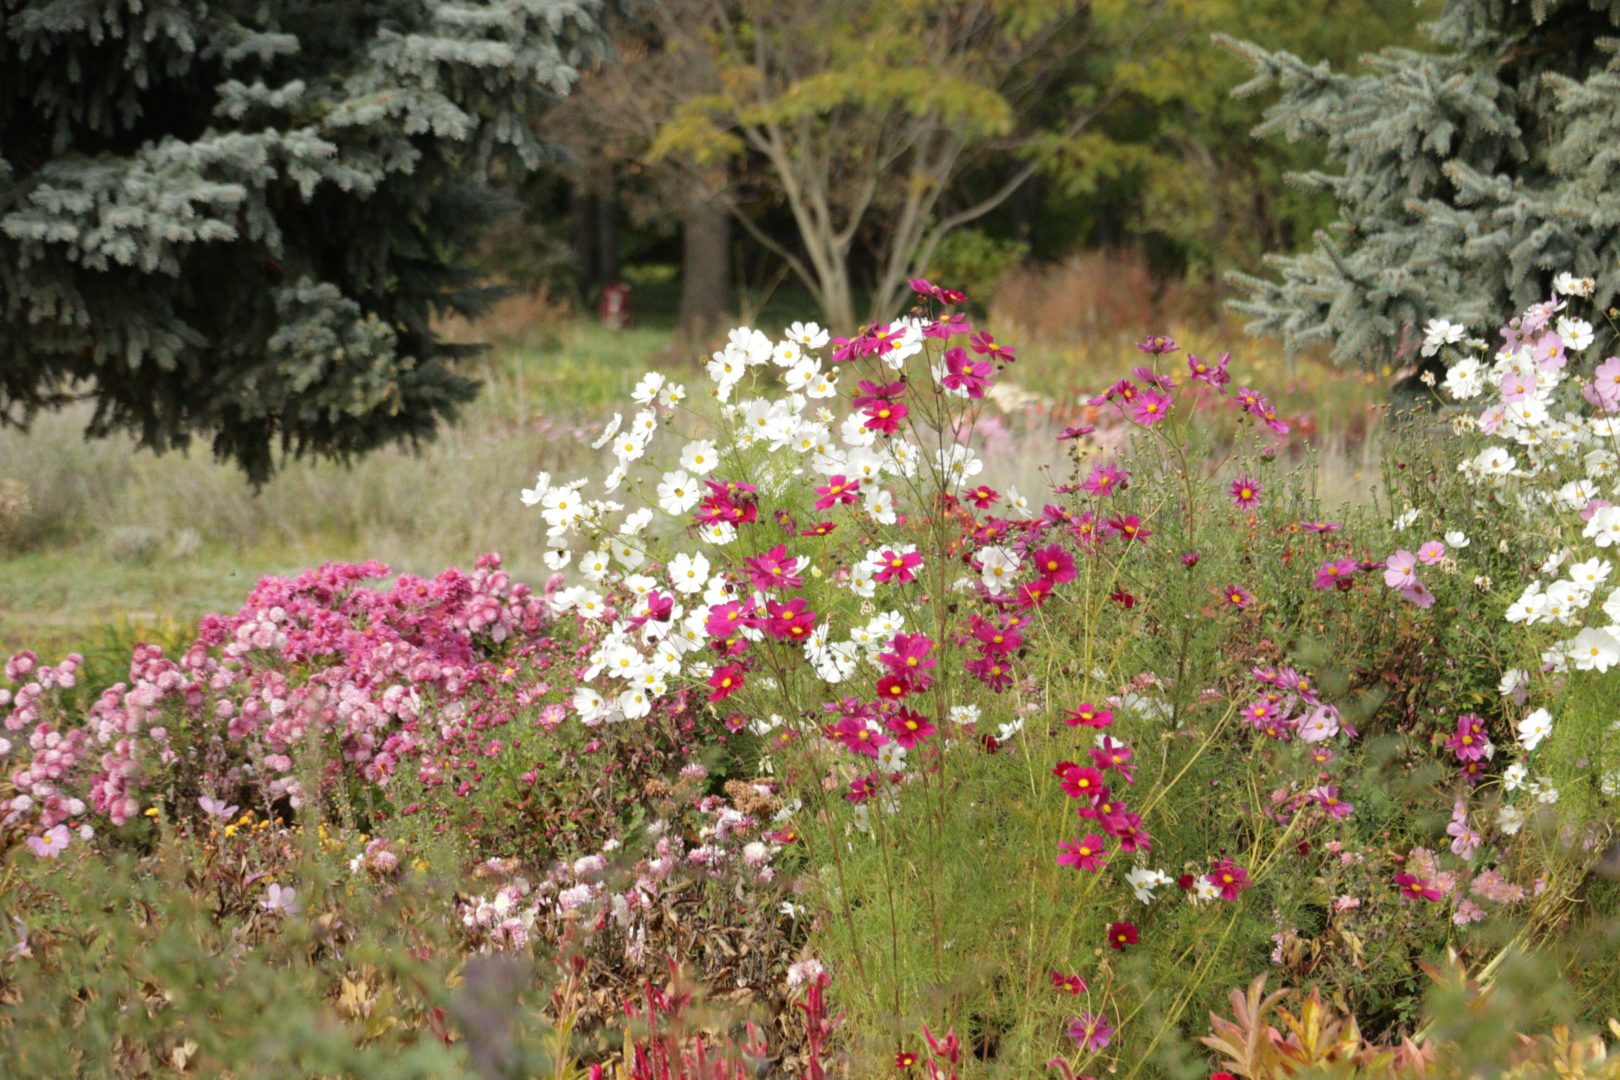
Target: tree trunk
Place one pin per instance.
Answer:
(607, 235)
(838, 300)
(582, 208)
(705, 263)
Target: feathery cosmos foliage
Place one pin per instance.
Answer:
(234, 220)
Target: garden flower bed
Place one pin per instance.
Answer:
(826, 751)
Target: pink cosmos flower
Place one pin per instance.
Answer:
(51, 843)
(1465, 841)
(1105, 480)
(281, 900)
(1603, 392)
(773, 570)
(1245, 492)
(885, 416)
(1089, 715)
(1150, 407)
(1158, 343)
(1068, 984)
(1090, 852)
(1399, 570)
(1228, 878)
(1415, 888)
(856, 736)
(791, 621)
(1335, 574)
(1054, 564)
(1319, 725)
(725, 681)
(1327, 797)
(1110, 753)
(910, 727)
(839, 490)
(965, 374)
(1237, 596)
(216, 808)
(1469, 742)
(896, 566)
(1214, 374)
(1516, 387)
(1128, 527)
(985, 345)
(1080, 782)
(1431, 552)
(1419, 594)
(1092, 1031)
(908, 655)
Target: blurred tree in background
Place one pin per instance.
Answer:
(235, 220)
(862, 143)
(1468, 176)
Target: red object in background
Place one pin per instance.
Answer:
(615, 309)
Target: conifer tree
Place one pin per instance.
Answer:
(1466, 176)
(234, 220)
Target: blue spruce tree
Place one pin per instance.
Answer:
(1467, 176)
(234, 220)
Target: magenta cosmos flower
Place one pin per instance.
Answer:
(1091, 1031)
(1336, 574)
(897, 566)
(1150, 407)
(1245, 492)
(1228, 878)
(1415, 888)
(1237, 596)
(839, 490)
(1090, 852)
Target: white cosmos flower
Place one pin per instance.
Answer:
(1438, 333)
(636, 522)
(1464, 380)
(590, 705)
(634, 703)
(880, 505)
(999, 567)
(678, 493)
(700, 457)
(809, 335)
(802, 374)
(1567, 284)
(1604, 527)
(1594, 650)
(1576, 334)
(646, 390)
(719, 533)
(533, 496)
(608, 432)
(1534, 728)
(1456, 539)
(595, 565)
(688, 573)
(787, 354)
(1143, 881)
